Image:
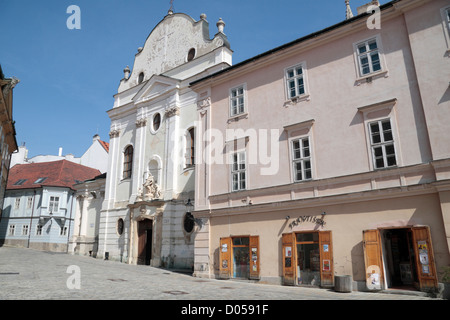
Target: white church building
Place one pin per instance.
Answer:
(149, 188)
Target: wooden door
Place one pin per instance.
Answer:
(225, 256)
(373, 259)
(254, 257)
(288, 256)
(423, 250)
(144, 241)
(326, 259)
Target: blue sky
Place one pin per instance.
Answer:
(68, 77)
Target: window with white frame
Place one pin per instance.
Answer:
(53, 204)
(25, 230)
(238, 171)
(63, 231)
(237, 101)
(382, 144)
(17, 204)
(296, 81)
(190, 147)
(39, 229)
(29, 202)
(12, 229)
(301, 159)
(369, 56)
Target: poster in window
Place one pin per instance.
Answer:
(288, 251)
(423, 257)
(326, 265)
(422, 245)
(224, 247)
(224, 264)
(325, 248)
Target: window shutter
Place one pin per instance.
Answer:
(326, 259)
(426, 269)
(373, 260)
(225, 258)
(254, 258)
(288, 257)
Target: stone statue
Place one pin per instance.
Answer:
(151, 189)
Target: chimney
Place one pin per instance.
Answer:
(95, 138)
(60, 152)
(363, 8)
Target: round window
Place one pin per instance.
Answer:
(120, 226)
(156, 121)
(191, 54)
(188, 222)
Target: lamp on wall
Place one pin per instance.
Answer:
(189, 206)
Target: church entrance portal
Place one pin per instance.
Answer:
(144, 242)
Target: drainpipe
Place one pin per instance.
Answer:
(31, 219)
(68, 231)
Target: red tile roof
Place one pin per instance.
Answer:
(104, 145)
(61, 173)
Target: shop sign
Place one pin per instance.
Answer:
(303, 219)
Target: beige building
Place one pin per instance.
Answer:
(330, 156)
(8, 143)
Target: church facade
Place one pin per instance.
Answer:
(149, 188)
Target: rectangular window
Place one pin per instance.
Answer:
(29, 202)
(25, 230)
(63, 231)
(368, 57)
(238, 171)
(237, 103)
(53, 205)
(382, 144)
(17, 204)
(20, 182)
(190, 148)
(295, 81)
(301, 157)
(39, 229)
(12, 229)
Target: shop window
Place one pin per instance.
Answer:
(239, 257)
(308, 258)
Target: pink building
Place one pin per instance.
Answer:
(330, 156)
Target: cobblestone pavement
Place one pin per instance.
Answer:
(27, 274)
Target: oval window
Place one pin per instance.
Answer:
(191, 54)
(120, 226)
(156, 121)
(188, 222)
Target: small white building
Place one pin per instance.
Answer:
(96, 156)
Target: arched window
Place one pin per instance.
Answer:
(190, 148)
(127, 162)
(141, 77)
